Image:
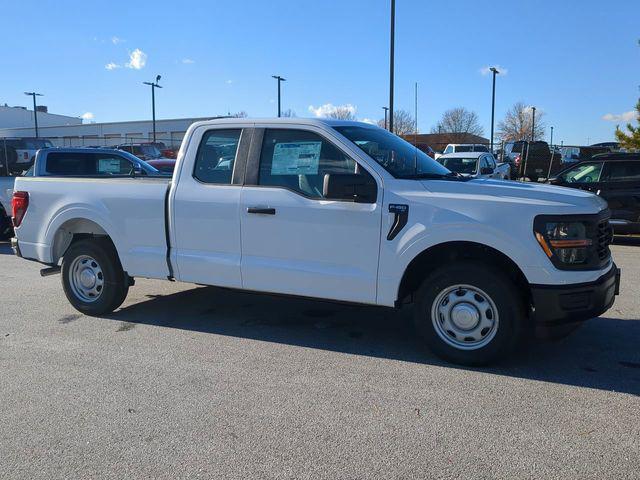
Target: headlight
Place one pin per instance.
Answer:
(567, 241)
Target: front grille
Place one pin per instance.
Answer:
(605, 237)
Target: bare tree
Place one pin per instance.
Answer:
(342, 112)
(459, 120)
(403, 123)
(289, 113)
(517, 124)
(241, 114)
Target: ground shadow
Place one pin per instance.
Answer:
(603, 354)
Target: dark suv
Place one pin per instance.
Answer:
(616, 178)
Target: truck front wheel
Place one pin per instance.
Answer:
(92, 277)
(469, 313)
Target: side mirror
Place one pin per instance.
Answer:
(486, 171)
(352, 187)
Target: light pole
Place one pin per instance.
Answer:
(35, 112)
(551, 140)
(386, 109)
(533, 124)
(280, 80)
(154, 85)
(391, 62)
(493, 102)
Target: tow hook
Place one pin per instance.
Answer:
(46, 272)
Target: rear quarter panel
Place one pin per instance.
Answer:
(129, 210)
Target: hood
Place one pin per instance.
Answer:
(518, 193)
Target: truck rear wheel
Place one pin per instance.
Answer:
(92, 277)
(469, 313)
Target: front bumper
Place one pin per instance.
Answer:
(558, 309)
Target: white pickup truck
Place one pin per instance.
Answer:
(327, 209)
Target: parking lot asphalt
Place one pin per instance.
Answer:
(199, 382)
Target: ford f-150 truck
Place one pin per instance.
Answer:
(333, 210)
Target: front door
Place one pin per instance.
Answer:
(294, 241)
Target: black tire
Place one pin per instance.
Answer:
(114, 282)
(509, 325)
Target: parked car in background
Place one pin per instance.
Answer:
(334, 210)
(83, 162)
(25, 149)
(144, 151)
(612, 146)
(476, 165)
(616, 178)
(165, 151)
(164, 165)
(533, 160)
(463, 147)
(580, 154)
(6, 193)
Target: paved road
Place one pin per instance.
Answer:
(199, 382)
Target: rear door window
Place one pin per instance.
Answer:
(624, 171)
(216, 156)
(584, 173)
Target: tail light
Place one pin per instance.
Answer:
(19, 205)
(517, 160)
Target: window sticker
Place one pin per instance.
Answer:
(108, 165)
(296, 158)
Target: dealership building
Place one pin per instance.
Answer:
(17, 122)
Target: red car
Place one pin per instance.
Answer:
(165, 165)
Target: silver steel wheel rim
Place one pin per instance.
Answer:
(464, 317)
(86, 278)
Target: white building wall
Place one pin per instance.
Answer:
(107, 134)
(16, 117)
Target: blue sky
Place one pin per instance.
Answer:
(576, 60)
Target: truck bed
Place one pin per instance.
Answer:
(130, 209)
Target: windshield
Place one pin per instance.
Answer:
(399, 158)
(461, 165)
(149, 169)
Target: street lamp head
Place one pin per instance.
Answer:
(494, 70)
(34, 94)
(158, 77)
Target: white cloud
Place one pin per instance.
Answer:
(87, 116)
(620, 117)
(137, 59)
(487, 70)
(116, 40)
(368, 120)
(329, 108)
(112, 66)
(188, 61)
(228, 82)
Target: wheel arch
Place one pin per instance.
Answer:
(72, 230)
(448, 252)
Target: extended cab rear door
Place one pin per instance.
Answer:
(205, 220)
(294, 240)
